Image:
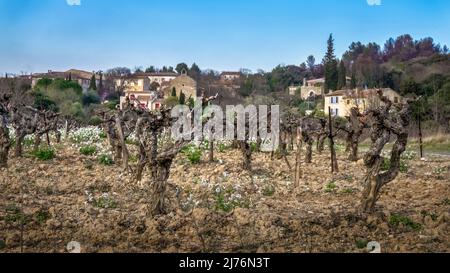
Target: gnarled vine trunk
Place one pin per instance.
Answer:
(385, 123)
(5, 144)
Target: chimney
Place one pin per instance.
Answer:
(304, 81)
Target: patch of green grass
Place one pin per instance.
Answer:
(348, 191)
(254, 147)
(88, 150)
(222, 147)
(222, 204)
(102, 135)
(361, 243)
(396, 219)
(439, 170)
(131, 142)
(331, 187)
(133, 159)
(386, 165)
(339, 147)
(105, 160)
(348, 177)
(268, 190)
(193, 154)
(44, 154)
(14, 215)
(106, 202)
(42, 216)
(226, 200)
(28, 142)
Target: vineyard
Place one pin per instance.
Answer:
(127, 186)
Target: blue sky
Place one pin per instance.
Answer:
(38, 35)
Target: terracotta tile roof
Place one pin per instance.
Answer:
(365, 93)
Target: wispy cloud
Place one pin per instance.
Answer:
(73, 2)
(374, 2)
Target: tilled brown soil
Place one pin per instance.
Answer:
(217, 207)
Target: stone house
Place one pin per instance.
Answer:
(184, 84)
(312, 88)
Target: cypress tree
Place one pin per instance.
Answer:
(100, 83)
(182, 100)
(93, 84)
(331, 67)
(342, 81)
(353, 81)
(174, 92)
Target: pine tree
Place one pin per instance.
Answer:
(182, 100)
(342, 81)
(331, 67)
(93, 84)
(174, 92)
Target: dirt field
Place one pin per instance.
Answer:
(216, 207)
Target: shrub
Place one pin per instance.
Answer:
(44, 154)
(347, 190)
(102, 135)
(395, 220)
(193, 154)
(361, 243)
(331, 187)
(2, 244)
(105, 202)
(105, 160)
(226, 199)
(88, 150)
(254, 147)
(268, 190)
(14, 215)
(95, 121)
(42, 216)
(222, 147)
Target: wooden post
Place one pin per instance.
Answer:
(420, 135)
(334, 167)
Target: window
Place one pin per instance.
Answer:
(334, 112)
(396, 100)
(348, 101)
(334, 100)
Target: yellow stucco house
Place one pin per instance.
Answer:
(342, 101)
